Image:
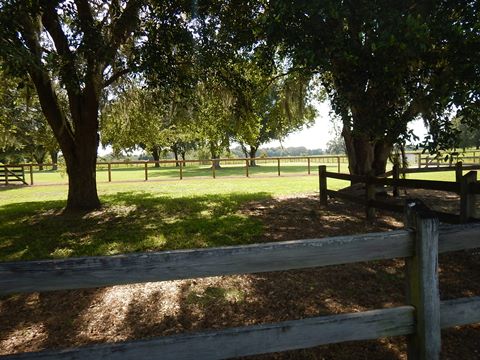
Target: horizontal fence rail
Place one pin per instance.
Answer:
(466, 186)
(89, 272)
(250, 340)
(421, 318)
(275, 337)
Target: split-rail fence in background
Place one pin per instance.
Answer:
(417, 161)
(466, 186)
(421, 318)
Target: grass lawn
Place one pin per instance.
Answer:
(144, 216)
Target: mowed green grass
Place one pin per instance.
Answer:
(136, 172)
(145, 215)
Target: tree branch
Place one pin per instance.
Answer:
(116, 76)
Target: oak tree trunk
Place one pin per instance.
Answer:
(366, 156)
(252, 154)
(54, 157)
(156, 156)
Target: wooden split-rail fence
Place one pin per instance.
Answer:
(466, 186)
(12, 174)
(420, 319)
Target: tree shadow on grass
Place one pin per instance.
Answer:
(166, 308)
(129, 222)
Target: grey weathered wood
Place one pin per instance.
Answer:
(459, 237)
(458, 171)
(467, 198)
(459, 312)
(250, 340)
(419, 184)
(422, 287)
(322, 178)
(349, 177)
(88, 272)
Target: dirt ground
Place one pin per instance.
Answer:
(62, 319)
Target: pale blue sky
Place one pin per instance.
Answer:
(318, 135)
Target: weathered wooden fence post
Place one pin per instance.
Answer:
(31, 175)
(6, 174)
(467, 197)
(395, 176)
(370, 190)
(458, 172)
(322, 179)
(182, 164)
(246, 169)
(109, 172)
(146, 171)
(338, 164)
(278, 166)
(422, 283)
(419, 160)
(308, 165)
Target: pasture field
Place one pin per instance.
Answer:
(145, 215)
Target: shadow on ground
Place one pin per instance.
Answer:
(72, 318)
(129, 222)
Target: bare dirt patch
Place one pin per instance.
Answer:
(71, 318)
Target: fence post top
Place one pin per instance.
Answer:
(416, 209)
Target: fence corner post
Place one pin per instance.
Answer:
(422, 282)
(322, 179)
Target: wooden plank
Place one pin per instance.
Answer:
(249, 340)
(422, 287)
(322, 179)
(349, 177)
(459, 237)
(460, 312)
(419, 184)
(90, 272)
(467, 199)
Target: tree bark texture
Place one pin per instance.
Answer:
(156, 155)
(366, 156)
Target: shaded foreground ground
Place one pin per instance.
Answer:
(71, 318)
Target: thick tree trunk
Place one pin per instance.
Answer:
(183, 158)
(82, 184)
(252, 154)
(39, 156)
(215, 157)
(365, 156)
(54, 157)
(175, 154)
(156, 155)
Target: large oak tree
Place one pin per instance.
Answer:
(80, 46)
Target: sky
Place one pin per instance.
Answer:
(323, 130)
(313, 137)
